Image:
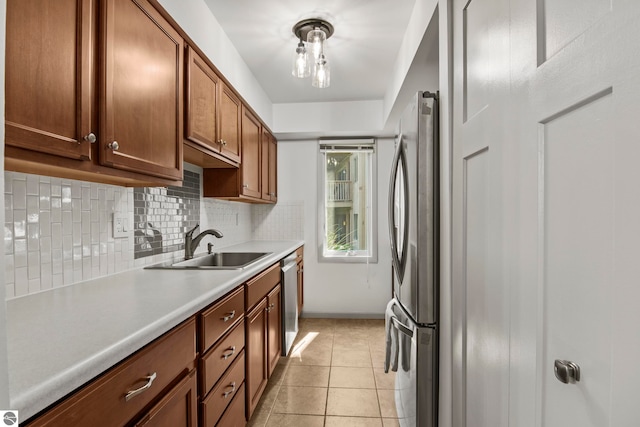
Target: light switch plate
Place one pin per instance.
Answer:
(120, 226)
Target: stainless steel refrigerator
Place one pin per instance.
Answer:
(412, 314)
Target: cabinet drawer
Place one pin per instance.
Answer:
(217, 320)
(220, 397)
(103, 401)
(177, 408)
(234, 416)
(220, 357)
(259, 286)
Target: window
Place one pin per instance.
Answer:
(347, 220)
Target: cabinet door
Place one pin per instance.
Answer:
(48, 83)
(268, 166)
(141, 91)
(250, 166)
(177, 408)
(274, 328)
(273, 169)
(229, 113)
(256, 354)
(300, 286)
(202, 93)
(264, 164)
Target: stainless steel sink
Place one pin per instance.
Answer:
(215, 261)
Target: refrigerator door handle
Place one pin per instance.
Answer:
(399, 260)
(402, 327)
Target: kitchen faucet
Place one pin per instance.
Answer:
(191, 243)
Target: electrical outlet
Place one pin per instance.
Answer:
(120, 226)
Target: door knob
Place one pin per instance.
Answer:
(566, 371)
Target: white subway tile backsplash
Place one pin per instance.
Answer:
(59, 232)
(33, 183)
(19, 194)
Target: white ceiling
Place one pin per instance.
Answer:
(362, 51)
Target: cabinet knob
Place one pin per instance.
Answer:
(91, 138)
(224, 143)
(114, 145)
(245, 185)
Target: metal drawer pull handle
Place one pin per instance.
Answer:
(229, 316)
(233, 389)
(133, 393)
(566, 371)
(225, 356)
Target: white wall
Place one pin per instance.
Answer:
(334, 289)
(328, 118)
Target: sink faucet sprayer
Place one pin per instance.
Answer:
(191, 243)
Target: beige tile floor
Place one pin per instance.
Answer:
(334, 377)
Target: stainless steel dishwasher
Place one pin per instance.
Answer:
(289, 280)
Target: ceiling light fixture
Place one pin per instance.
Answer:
(315, 32)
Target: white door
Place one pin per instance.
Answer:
(567, 172)
(480, 293)
(576, 93)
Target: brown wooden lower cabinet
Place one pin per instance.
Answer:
(238, 354)
(300, 262)
(112, 400)
(234, 416)
(274, 328)
(177, 409)
(256, 348)
(263, 337)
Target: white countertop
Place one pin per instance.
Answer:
(60, 339)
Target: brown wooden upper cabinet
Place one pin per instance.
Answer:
(49, 77)
(269, 165)
(56, 66)
(250, 167)
(212, 117)
(250, 182)
(229, 116)
(141, 90)
(256, 179)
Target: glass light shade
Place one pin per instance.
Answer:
(315, 41)
(321, 73)
(301, 67)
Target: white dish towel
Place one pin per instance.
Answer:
(391, 341)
